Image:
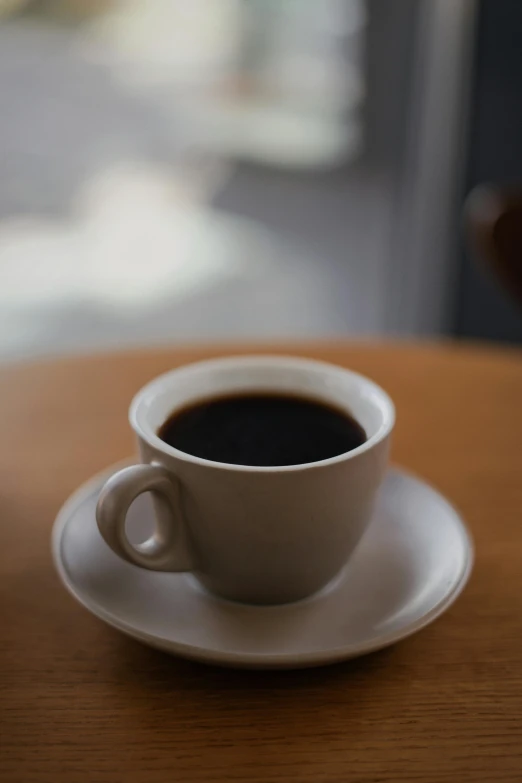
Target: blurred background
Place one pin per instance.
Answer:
(176, 171)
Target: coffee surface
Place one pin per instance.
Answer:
(262, 429)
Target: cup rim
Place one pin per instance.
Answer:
(146, 433)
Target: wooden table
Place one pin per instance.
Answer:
(79, 702)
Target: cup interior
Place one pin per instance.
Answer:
(348, 391)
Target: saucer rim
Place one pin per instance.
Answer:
(250, 660)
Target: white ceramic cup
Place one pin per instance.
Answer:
(254, 534)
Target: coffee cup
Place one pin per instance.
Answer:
(255, 534)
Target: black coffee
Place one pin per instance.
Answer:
(262, 429)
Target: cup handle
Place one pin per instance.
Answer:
(166, 549)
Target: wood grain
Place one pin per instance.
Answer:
(80, 703)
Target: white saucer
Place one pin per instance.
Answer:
(411, 565)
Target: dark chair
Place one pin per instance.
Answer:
(494, 223)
